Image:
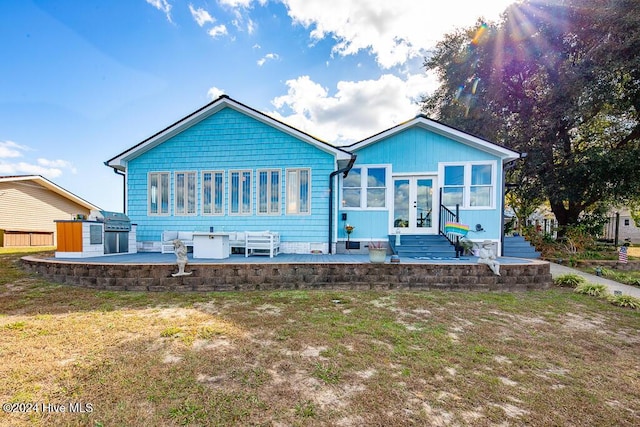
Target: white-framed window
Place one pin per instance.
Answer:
(481, 189)
(268, 191)
(453, 188)
(365, 187)
(376, 187)
(240, 192)
(185, 193)
(158, 193)
(469, 185)
(352, 189)
(213, 193)
(298, 191)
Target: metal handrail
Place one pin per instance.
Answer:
(447, 215)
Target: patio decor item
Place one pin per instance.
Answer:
(377, 253)
(456, 228)
(181, 258)
(488, 257)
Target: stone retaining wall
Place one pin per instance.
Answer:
(615, 265)
(249, 277)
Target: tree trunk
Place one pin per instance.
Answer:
(565, 216)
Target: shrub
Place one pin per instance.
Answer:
(626, 278)
(595, 290)
(570, 280)
(625, 301)
(578, 239)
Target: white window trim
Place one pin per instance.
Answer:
(241, 172)
(168, 213)
(467, 182)
(213, 173)
(186, 193)
(286, 186)
(268, 189)
(363, 188)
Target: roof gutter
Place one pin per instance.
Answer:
(345, 171)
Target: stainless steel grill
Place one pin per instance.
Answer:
(115, 221)
(116, 232)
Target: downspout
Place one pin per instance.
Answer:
(124, 188)
(345, 170)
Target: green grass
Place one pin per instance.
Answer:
(320, 358)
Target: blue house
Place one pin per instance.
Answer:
(411, 179)
(231, 168)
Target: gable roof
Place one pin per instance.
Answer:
(52, 187)
(434, 126)
(119, 162)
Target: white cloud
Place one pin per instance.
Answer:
(251, 26)
(57, 164)
(24, 168)
(268, 57)
(10, 149)
(163, 6)
(241, 3)
(218, 30)
(42, 166)
(393, 31)
(214, 92)
(201, 15)
(357, 110)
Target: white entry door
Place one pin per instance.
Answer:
(414, 205)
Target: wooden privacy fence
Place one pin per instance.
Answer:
(10, 238)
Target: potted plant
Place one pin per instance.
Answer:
(377, 252)
(465, 246)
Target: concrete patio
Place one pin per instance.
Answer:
(160, 258)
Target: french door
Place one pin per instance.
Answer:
(413, 205)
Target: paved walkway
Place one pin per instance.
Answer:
(559, 270)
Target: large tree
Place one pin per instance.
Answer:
(559, 80)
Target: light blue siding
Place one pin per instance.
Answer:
(230, 140)
(420, 151)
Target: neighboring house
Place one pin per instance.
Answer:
(29, 205)
(628, 229)
(231, 168)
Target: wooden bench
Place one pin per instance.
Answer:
(262, 243)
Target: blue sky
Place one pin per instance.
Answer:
(82, 81)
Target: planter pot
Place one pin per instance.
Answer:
(377, 255)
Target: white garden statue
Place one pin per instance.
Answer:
(486, 256)
(181, 257)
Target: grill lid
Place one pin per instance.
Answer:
(115, 221)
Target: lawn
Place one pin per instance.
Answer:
(315, 358)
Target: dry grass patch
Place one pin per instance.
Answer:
(299, 358)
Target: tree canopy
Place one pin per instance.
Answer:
(560, 81)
